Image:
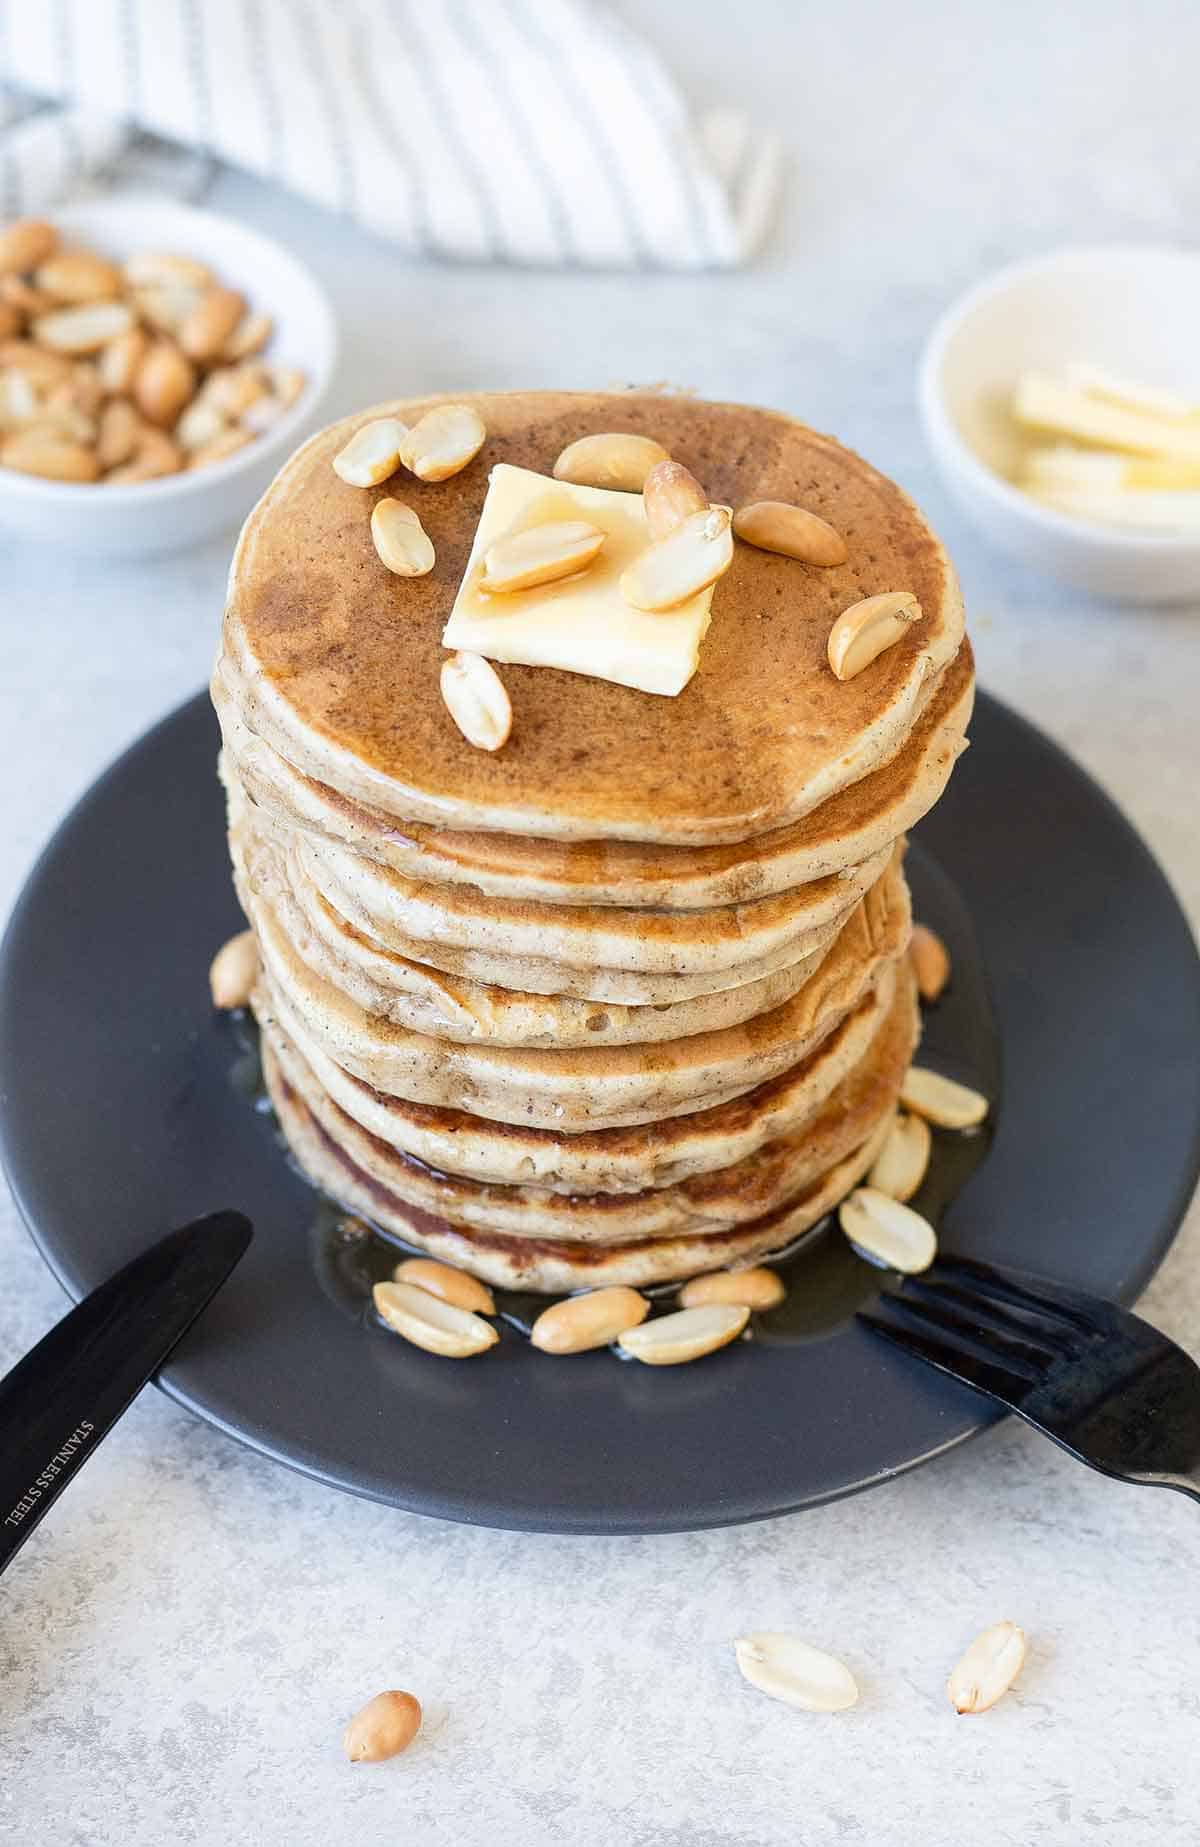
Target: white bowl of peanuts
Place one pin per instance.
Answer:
(157, 365)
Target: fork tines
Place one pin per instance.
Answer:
(1051, 1301)
(984, 1328)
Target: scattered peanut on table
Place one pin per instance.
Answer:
(786, 1668)
(386, 1726)
(987, 1669)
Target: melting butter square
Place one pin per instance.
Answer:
(582, 624)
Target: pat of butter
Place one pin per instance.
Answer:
(1129, 394)
(582, 624)
(1086, 469)
(1148, 492)
(1044, 403)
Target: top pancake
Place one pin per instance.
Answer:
(842, 832)
(335, 661)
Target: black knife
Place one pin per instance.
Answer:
(66, 1394)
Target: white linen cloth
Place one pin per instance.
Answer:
(539, 132)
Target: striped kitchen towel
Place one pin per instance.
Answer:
(511, 131)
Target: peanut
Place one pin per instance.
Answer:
(78, 276)
(248, 337)
(287, 382)
(941, 1101)
(234, 971)
(476, 700)
(204, 331)
(443, 441)
(583, 1322)
(777, 526)
(28, 302)
(155, 455)
(429, 1322)
(402, 543)
(41, 367)
(118, 362)
(903, 1161)
(540, 555)
(673, 1340)
(24, 244)
(164, 383)
(164, 269)
(118, 433)
(84, 328)
(233, 389)
(614, 458)
(677, 568)
(454, 1286)
(789, 1669)
(386, 1726)
(754, 1289)
(670, 495)
(862, 632)
(930, 960)
(887, 1231)
(987, 1669)
(41, 450)
(165, 306)
(200, 423)
(220, 447)
(372, 453)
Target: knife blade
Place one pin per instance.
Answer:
(65, 1395)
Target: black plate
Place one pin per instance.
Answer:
(119, 1118)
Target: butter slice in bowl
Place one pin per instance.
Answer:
(582, 624)
(1089, 322)
(1126, 454)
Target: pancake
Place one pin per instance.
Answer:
(845, 831)
(534, 975)
(334, 662)
(748, 1189)
(656, 1154)
(422, 999)
(400, 911)
(570, 1089)
(543, 1264)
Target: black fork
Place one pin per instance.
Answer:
(1102, 1384)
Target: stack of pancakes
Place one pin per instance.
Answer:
(628, 999)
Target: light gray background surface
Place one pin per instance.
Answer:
(185, 1636)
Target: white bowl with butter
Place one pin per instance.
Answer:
(1132, 311)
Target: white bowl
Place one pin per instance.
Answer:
(1131, 309)
(156, 516)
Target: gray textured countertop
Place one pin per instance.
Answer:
(183, 1640)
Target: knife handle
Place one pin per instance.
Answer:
(65, 1395)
